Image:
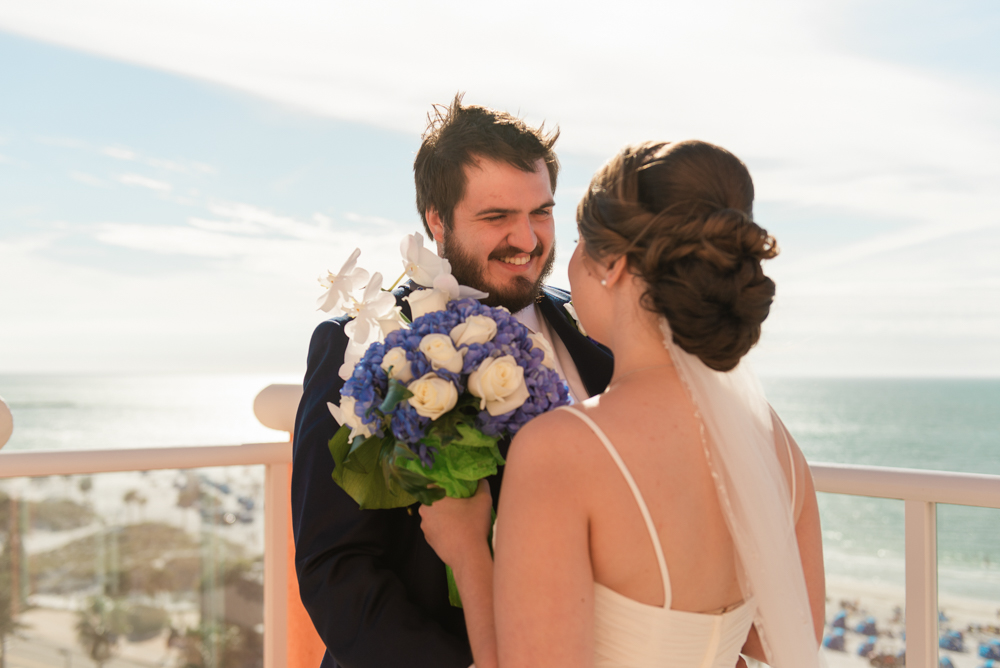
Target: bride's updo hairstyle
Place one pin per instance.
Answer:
(681, 214)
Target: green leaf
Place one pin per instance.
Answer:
(457, 469)
(339, 445)
(397, 392)
(411, 477)
(468, 463)
(472, 437)
(357, 455)
(368, 489)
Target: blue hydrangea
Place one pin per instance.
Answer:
(368, 384)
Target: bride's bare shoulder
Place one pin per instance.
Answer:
(555, 437)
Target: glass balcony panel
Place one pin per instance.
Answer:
(968, 582)
(864, 554)
(134, 569)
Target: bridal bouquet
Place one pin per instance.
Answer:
(426, 400)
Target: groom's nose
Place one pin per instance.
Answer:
(522, 233)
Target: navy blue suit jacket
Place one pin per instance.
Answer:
(374, 588)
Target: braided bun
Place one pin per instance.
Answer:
(681, 214)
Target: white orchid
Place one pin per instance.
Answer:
(449, 284)
(342, 284)
(366, 328)
(376, 314)
(345, 416)
(421, 264)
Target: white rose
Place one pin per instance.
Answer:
(345, 415)
(391, 322)
(499, 383)
(475, 329)
(426, 301)
(395, 365)
(539, 341)
(432, 396)
(441, 353)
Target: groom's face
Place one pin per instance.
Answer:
(502, 236)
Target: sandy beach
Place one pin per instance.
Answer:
(885, 603)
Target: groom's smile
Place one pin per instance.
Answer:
(501, 238)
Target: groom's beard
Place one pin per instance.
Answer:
(515, 294)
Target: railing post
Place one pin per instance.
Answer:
(921, 584)
(277, 502)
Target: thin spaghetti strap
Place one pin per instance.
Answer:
(650, 527)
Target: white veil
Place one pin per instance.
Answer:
(738, 436)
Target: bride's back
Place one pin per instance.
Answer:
(651, 422)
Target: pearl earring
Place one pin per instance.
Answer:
(604, 282)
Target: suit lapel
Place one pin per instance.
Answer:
(593, 361)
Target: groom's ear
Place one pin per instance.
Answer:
(435, 224)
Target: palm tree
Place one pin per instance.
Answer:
(98, 627)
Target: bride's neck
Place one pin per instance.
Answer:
(636, 339)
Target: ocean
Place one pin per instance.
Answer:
(945, 424)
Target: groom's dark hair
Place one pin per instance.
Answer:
(459, 135)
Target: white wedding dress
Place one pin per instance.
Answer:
(634, 634)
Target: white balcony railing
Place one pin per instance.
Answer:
(920, 491)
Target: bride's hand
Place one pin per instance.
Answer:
(457, 528)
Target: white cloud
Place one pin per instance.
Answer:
(123, 153)
(87, 179)
(819, 127)
(226, 226)
(886, 243)
(61, 142)
(168, 239)
(826, 126)
(255, 240)
(118, 153)
(145, 182)
(384, 223)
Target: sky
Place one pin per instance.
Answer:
(175, 175)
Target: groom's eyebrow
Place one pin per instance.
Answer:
(496, 210)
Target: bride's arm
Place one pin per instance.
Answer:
(544, 579)
(457, 530)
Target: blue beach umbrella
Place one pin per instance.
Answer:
(866, 627)
(835, 640)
